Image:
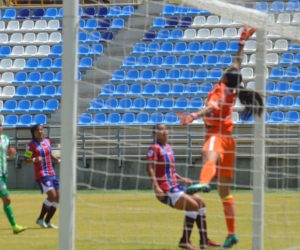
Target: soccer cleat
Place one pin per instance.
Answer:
(209, 244)
(50, 225)
(187, 245)
(41, 223)
(230, 241)
(205, 188)
(18, 229)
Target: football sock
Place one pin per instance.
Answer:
(45, 207)
(188, 225)
(51, 212)
(208, 172)
(201, 224)
(9, 214)
(229, 211)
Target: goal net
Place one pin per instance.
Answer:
(141, 64)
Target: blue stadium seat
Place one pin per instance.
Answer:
(80, 12)
(162, 35)
(197, 61)
(156, 62)
(9, 106)
(49, 91)
(245, 120)
(194, 11)
(91, 24)
(270, 87)
(191, 89)
(58, 93)
(210, 61)
(99, 119)
(220, 47)
(176, 35)
(82, 37)
(169, 10)
(195, 104)
(121, 90)
(149, 35)
(201, 74)
(233, 47)
(205, 88)
(171, 22)
(101, 12)
(142, 118)
(185, 22)
(129, 62)
(287, 101)
(187, 75)
(215, 74)
(152, 48)
(163, 89)
(93, 37)
(297, 102)
(146, 75)
(47, 77)
(293, 47)
(173, 75)
(107, 36)
(180, 104)
(139, 48)
(142, 62)
(85, 63)
(166, 48)
(170, 61)
(37, 105)
(261, 6)
(127, 118)
(85, 119)
(295, 87)
(107, 90)
(135, 89)
(50, 13)
(21, 92)
(125, 104)
(20, 77)
(24, 121)
(138, 104)
(156, 118)
(152, 104)
(171, 118)
(56, 50)
(23, 14)
(110, 104)
(207, 47)
(181, 10)
(291, 117)
(10, 121)
(33, 78)
(286, 59)
(282, 87)
(114, 118)
(51, 105)
(193, 47)
(276, 117)
(117, 24)
(132, 75)
(158, 23)
(177, 89)
(9, 14)
(58, 77)
(127, 11)
(272, 102)
(60, 13)
(57, 64)
(104, 24)
(179, 48)
(224, 60)
(96, 105)
(88, 12)
(35, 92)
(183, 61)
(114, 11)
(33, 63)
(5, 51)
(292, 6)
(149, 89)
(291, 73)
(277, 6)
(38, 13)
(96, 50)
(276, 73)
(118, 76)
(159, 75)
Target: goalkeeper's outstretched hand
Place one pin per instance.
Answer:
(246, 34)
(186, 119)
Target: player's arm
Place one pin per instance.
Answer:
(55, 159)
(183, 180)
(29, 159)
(11, 151)
(151, 173)
(186, 119)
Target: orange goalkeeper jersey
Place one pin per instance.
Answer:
(222, 100)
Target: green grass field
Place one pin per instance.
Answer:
(129, 221)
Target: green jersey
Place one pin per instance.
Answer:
(4, 145)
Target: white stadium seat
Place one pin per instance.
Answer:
(224, 22)
(42, 38)
(199, 21)
(3, 38)
(54, 38)
(189, 34)
(7, 77)
(8, 91)
(230, 33)
(27, 25)
(250, 46)
(203, 34)
(272, 59)
(2, 26)
(40, 25)
(247, 73)
(43, 50)
(245, 59)
(296, 19)
(18, 64)
(28, 38)
(52, 25)
(212, 20)
(16, 38)
(5, 64)
(216, 33)
(284, 18)
(13, 26)
(280, 45)
(17, 51)
(30, 51)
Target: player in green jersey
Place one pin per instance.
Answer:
(7, 151)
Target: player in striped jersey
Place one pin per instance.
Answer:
(219, 149)
(39, 153)
(169, 188)
(7, 151)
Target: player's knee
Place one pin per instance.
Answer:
(6, 201)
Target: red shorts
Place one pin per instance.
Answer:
(224, 146)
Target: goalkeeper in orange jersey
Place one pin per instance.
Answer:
(219, 148)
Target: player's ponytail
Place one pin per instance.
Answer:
(252, 101)
(34, 128)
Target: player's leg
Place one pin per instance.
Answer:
(54, 204)
(201, 222)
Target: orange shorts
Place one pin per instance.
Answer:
(224, 146)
